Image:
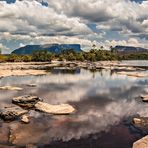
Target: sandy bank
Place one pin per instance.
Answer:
(39, 68)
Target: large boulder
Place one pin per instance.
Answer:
(11, 113)
(26, 101)
(142, 143)
(62, 109)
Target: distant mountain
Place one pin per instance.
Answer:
(127, 49)
(53, 48)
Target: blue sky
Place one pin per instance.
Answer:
(103, 22)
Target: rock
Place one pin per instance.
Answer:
(31, 85)
(4, 132)
(141, 122)
(26, 101)
(54, 109)
(6, 146)
(33, 133)
(25, 119)
(21, 72)
(30, 146)
(144, 98)
(137, 121)
(10, 88)
(142, 143)
(133, 74)
(11, 113)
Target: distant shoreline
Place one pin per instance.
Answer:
(40, 68)
(70, 55)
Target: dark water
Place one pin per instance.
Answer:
(105, 103)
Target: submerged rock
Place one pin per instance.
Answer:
(4, 132)
(10, 88)
(6, 146)
(25, 119)
(26, 101)
(144, 98)
(142, 143)
(54, 109)
(11, 113)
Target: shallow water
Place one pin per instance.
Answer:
(104, 101)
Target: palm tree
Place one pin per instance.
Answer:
(101, 47)
(94, 46)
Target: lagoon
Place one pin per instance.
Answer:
(105, 103)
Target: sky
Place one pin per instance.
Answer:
(87, 22)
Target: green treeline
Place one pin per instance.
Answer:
(70, 55)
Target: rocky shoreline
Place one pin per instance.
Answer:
(40, 68)
(23, 104)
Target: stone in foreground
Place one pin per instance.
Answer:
(62, 109)
(11, 88)
(25, 119)
(142, 143)
(11, 113)
(26, 101)
(144, 98)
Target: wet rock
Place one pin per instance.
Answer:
(25, 119)
(10, 88)
(137, 121)
(31, 85)
(54, 109)
(26, 101)
(140, 122)
(21, 72)
(31, 146)
(25, 134)
(144, 98)
(4, 132)
(7, 146)
(142, 143)
(133, 74)
(11, 113)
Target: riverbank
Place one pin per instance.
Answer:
(39, 68)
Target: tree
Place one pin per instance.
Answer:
(14, 58)
(101, 47)
(42, 56)
(94, 46)
(27, 58)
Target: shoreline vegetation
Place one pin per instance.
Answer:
(70, 55)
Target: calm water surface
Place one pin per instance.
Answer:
(105, 103)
